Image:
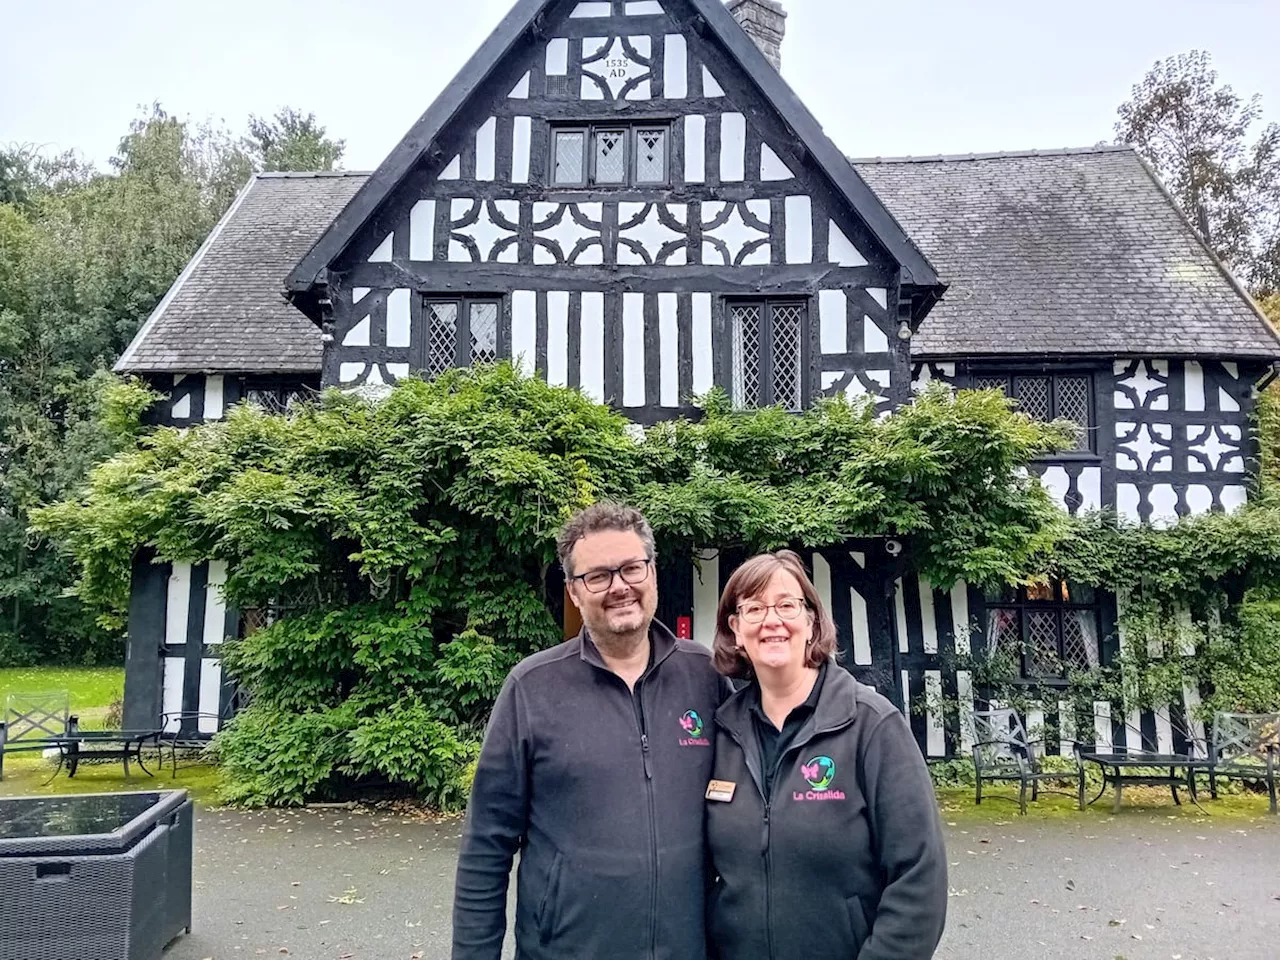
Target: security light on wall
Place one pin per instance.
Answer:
(904, 331)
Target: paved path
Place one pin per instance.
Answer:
(347, 885)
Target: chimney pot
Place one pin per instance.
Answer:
(765, 22)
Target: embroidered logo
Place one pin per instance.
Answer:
(819, 774)
(692, 727)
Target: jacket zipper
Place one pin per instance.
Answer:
(653, 819)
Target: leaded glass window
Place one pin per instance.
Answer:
(442, 336)
(767, 354)
(610, 155)
(1049, 397)
(1047, 629)
(483, 324)
(459, 333)
(651, 156)
(570, 158)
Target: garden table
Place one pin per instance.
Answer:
(1133, 767)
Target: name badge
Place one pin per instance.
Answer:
(721, 790)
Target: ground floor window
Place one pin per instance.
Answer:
(1047, 629)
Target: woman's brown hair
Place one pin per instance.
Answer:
(749, 581)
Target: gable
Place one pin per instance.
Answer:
(685, 61)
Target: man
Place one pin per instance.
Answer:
(594, 767)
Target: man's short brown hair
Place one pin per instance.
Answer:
(596, 518)
(749, 581)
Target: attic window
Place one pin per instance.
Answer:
(610, 155)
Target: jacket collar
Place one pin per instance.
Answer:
(662, 643)
(837, 706)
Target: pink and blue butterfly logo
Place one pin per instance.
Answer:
(691, 724)
(819, 772)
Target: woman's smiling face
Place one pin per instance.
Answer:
(775, 644)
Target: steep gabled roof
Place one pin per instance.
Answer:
(225, 312)
(523, 18)
(1065, 252)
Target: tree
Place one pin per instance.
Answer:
(1195, 133)
(291, 141)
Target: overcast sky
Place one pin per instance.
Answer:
(914, 77)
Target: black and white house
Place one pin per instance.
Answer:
(625, 197)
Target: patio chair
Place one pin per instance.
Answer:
(185, 734)
(1244, 747)
(32, 722)
(1004, 754)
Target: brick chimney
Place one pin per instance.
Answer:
(765, 22)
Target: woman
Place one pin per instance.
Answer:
(821, 819)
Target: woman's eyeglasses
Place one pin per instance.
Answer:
(789, 608)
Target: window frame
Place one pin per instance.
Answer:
(1012, 377)
(631, 130)
(462, 345)
(1022, 603)
(768, 374)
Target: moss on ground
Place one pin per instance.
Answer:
(28, 776)
(1001, 803)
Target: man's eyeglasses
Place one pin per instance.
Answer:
(789, 608)
(632, 572)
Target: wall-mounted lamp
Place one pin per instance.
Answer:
(904, 331)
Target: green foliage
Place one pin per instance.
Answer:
(292, 141)
(402, 547)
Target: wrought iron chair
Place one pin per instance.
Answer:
(185, 733)
(1245, 747)
(1003, 753)
(32, 720)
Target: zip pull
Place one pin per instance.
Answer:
(644, 749)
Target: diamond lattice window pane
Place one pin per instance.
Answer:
(788, 322)
(1033, 397)
(1073, 405)
(483, 321)
(1042, 639)
(1004, 636)
(611, 156)
(992, 383)
(570, 151)
(1079, 638)
(746, 322)
(442, 337)
(651, 156)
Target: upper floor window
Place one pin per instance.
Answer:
(1044, 396)
(767, 353)
(610, 155)
(461, 331)
(1047, 629)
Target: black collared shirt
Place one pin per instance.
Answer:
(774, 742)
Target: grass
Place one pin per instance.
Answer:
(92, 689)
(1001, 804)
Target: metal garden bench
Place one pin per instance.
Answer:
(1245, 747)
(34, 722)
(1004, 754)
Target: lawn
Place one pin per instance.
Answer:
(92, 689)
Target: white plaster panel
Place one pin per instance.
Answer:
(968, 728)
(383, 252)
(1226, 402)
(1066, 728)
(557, 64)
(615, 69)
(178, 604)
(873, 338)
(398, 370)
(591, 346)
(822, 579)
(1191, 698)
(358, 336)
(733, 147)
(174, 673)
(644, 8)
(348, 372)
(422, 230)
(524, 330)
(675, 68)
(651, 233)
(521, 90)
(521, 141)
(833, 321)
(487, 149)
(1199, 498)
(1231, 368)
(1193, 382)
(1127, 499)
(669, 340)
(1233, 498)
(1089, 486)
(960, 617)
(906, 691)
(596, 8)
(841, 251)
(861, 628)
(706, 597)
(799, 236)
(1164, 731)
(935, 733)
(928, 619)
(772, 168)
(1164, 505)
(900, 611)
(1057, 484)
(398, 318)
(213, 407)
(736, 234)
(880, 295)
(1102, 725)
(181, 409)
(1143, 383)
(695, 149)
(558, 338)
(453, 171)
(701, 347)
(210, 694)
(710, 86)
(633, 359)
(1147, 449)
